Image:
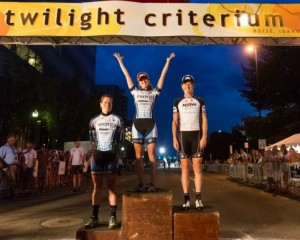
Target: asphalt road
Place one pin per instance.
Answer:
(246, 212)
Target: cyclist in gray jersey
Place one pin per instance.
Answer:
(144, 129)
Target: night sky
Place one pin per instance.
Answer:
(217, 71)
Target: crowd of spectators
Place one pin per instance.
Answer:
(23, 172)
(276, 154)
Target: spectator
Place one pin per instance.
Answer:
(76, 161)
(67, 170)
(293, 155)
(9, 161)
(55, 168)
(42, 157)
(61, 177)
(30, 157)
(284, 153)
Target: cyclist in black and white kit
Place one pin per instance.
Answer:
(189, 117)
(144, 129)
(105, 130)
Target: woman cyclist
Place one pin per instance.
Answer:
(144, 129)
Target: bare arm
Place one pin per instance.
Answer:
(174, 130)
(203, 140)
(163, 74)
(124, 70)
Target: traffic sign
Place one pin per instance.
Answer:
(262, 143)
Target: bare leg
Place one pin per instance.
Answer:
(185, 175)
(75, 180)
(197, 167)
(151, 154)
(139, 167)
(112, 192)
(79, 180)
(98, 182)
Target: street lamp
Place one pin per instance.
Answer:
(162, 150)
(35, 114)
(253, 49)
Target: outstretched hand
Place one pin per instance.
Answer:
(118, 56)
(172, 55)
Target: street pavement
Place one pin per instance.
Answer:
(245, 212)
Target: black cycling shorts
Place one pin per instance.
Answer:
(189, 145)
(144, 130)
(104, 162)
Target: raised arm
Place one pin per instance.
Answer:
(124, 70)
(163, 74)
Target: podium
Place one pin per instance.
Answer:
(194, 225)
(147, 216)
(151, 216)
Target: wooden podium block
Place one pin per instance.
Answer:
(196, 225)
(100, 233)
(147, 216)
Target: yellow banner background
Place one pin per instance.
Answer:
(120, 18)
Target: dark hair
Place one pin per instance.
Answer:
(106, 95)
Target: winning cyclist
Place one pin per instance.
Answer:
(144, 129)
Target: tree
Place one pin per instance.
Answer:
(276, 91)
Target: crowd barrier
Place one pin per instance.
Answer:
(60, 177)
(216, 167)
(281, 173)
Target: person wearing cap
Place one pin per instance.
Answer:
(189, 130)
(144, 129)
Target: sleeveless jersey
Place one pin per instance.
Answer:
(190, 113)
(105, 131)
(144, 102)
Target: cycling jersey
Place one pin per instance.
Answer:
(105, 131)
(144, 102)
(190, 113)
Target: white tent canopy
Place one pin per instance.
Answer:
(292, 141)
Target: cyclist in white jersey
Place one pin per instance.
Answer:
(144, 129)
(105, 130)
(189, 117)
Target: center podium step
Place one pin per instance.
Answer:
(147, 216)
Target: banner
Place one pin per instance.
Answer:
(295, 171)
(62, 168)
(120, 18)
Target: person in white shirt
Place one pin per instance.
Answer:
(76, 161)
(30, 157)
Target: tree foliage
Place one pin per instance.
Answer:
(276, 91)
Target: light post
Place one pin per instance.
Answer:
(253, 49)
(35, 114)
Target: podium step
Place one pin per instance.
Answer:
(195, 225)
(100, 233)
(147, 216)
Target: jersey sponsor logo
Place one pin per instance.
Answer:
(189, 104)
(149, 97)
(107, 124)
